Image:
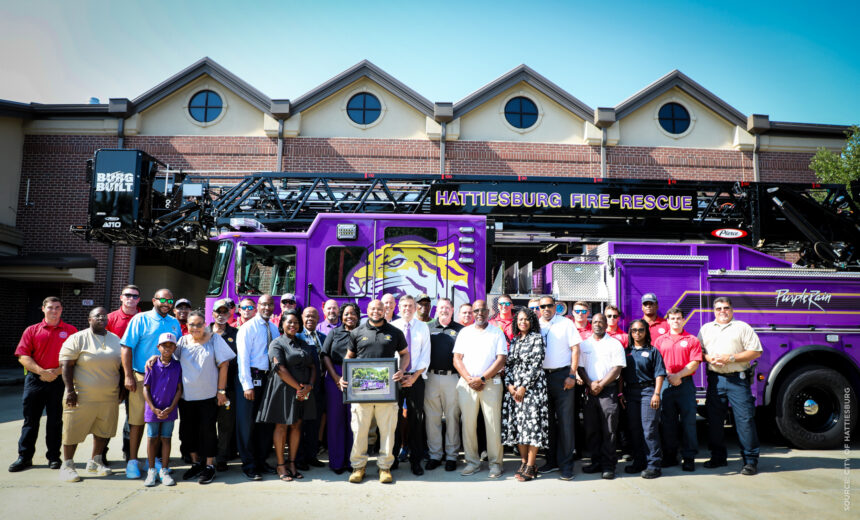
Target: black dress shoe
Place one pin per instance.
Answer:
(688, 465)
(651, 473)
(749, 469)
(315, 462)
(265, 468)
(20, 464)
(668, 462)
(450, 465)
(591, 468)
(715, 463)
(433, 464)
(252, 474)
(302, 466)
(54, 464)
(608, 475)
(417, 469)
(633, 468)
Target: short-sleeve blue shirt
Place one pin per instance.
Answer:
(142, 334)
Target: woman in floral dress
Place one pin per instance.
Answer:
(525, 418)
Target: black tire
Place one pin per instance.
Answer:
(820, 427)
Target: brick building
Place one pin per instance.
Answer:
(208, 121)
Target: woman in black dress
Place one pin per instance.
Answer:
(525, 416)
(288, 397)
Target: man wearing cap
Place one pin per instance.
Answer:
(180, 311)
(729, 346)
(39, 353)
(440, 393)
(657, 325)
(288, 303)
(331, 313)
(412, 386)
(247, 311)
(139, 343)
(681, 354)
(232, 306)
(252, 346)
(225, 419)
(504, 318)
(560, 364)
(422, 308)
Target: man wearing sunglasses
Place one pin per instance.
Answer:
(657, 326)
(117, 322)
(139, 343)
(729, 345)
(613, 318)
(247, 311)
(580, 319)
(504, 318)
(181, 310)
(560, 365)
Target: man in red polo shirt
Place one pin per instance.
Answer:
(682, 354)
(657, 326)
(580, 319)
(504, 319)
(613, 317)
(118, 320)
(39, 353)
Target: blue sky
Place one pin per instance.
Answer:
(795, 61)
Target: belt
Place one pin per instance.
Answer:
(727, 373)
(554, 370)
(442, 372)
(255, 371)
(643, 385)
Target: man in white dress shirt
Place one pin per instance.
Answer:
(252, 348)
(412, 387)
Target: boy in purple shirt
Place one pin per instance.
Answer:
(162, 388)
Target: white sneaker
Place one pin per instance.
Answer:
(151, 478)
(165, 477)
(96, 466)
(68, 473)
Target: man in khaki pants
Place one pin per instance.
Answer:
(375, 338)
(479, 355)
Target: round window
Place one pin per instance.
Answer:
(674, 118)
(205, 106)
(521, 112)
(363, 108)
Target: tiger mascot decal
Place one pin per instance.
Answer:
(411, 266)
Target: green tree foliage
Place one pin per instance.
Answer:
(839, 168)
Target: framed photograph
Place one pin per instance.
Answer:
(370, 380)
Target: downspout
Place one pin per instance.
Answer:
(603, 152)
(442, 138)
(756, 173)
(280, 163)
(120, 143)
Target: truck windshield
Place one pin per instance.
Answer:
(222, 261)
(268, 269)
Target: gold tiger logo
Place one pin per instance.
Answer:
(412, 267)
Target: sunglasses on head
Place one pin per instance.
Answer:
(547, 305)
(165, 300)
(132, 296)
(247, 307)
(580, 311)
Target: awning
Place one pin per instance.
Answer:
(48, 267)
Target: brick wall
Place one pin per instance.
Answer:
(55, 167)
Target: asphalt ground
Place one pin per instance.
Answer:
(791, 484)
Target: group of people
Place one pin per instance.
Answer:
(255, 382)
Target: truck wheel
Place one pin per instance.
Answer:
(812, 407)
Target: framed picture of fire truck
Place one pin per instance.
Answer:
(370, 380)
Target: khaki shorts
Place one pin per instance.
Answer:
(136, 403)
(100, 419)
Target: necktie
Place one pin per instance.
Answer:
(409, 344)
(268, 333)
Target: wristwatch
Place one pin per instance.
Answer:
(483, 379)
(732, 358)
(222, 391)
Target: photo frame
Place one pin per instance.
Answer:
(370, 380)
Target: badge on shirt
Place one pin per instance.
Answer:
(453, 333)
(661, 330)
(364, 338)
(684, 343)
(646, 354)
(230, 340)
(63, 334)
(388, 337)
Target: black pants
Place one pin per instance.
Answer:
(601, 427)
(225, 420)
(253, 439)
(310, 444)
(199, 417)
(40, 396)
(414, 397)
(561, 420)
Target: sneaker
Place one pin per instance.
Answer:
(567, 474)
(207, 475)
(165, 477)
(548, 468)
(749, 469)
(195, 470)
(470, 469)
(385, 476)
(252, 474)
(96, 466)
(151, 477)
(356, 476)
(651, 473)
(495, 471)
(68, 473)
(132, 469)
(55, 464)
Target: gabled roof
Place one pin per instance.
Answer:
(526, 74)
(363, 69)
(678, 79)
(204, 66)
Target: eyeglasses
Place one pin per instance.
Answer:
(247, 307)
(165, 300)
(290, 302)
(611, 316)
(635, 331)
(581, 311)
(505, 304)
(547, 305)
(131, 296)
(727, 308)
(480, 310)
